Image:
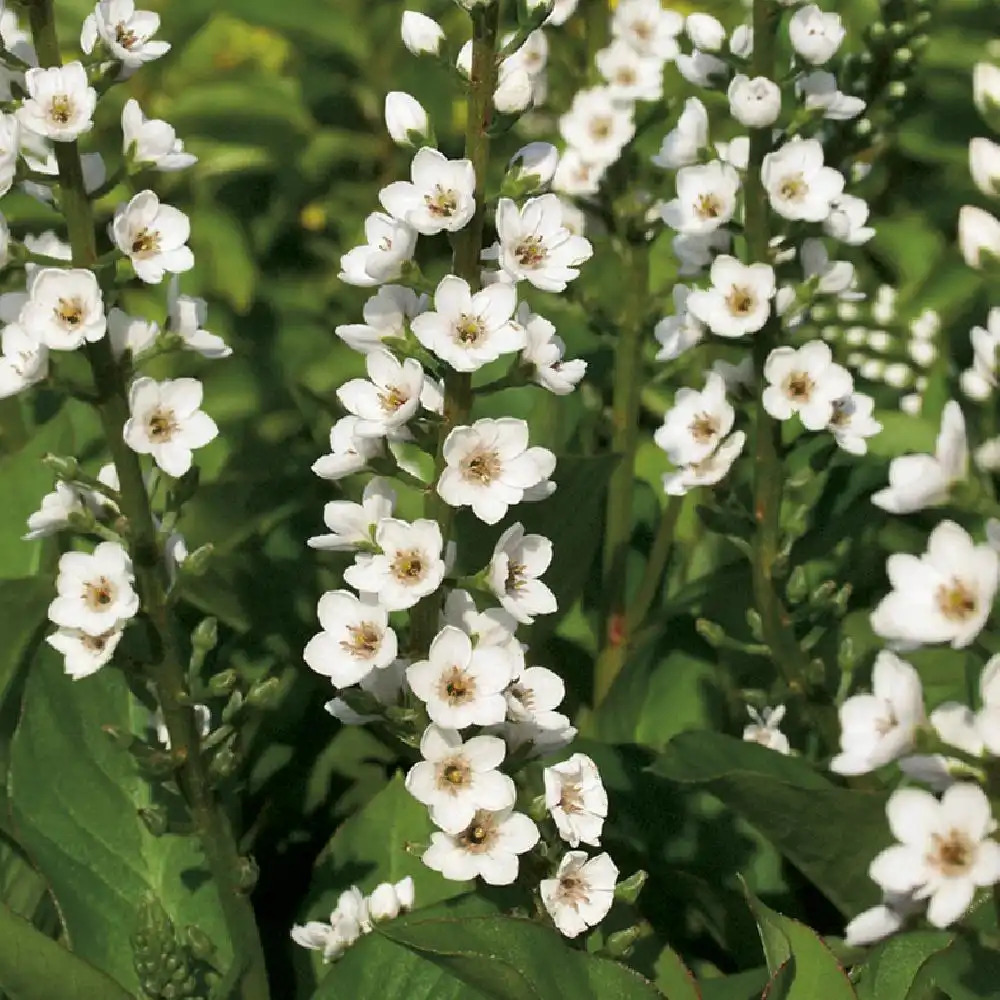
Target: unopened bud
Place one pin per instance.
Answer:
(265, 694)
(406, 120)
(421, 34)
(628, 889)
(223, 682)
(154, 818)
(197, 562)
(64, 467)
(621, 943)
(712, 633)
(247, 874)
(205, 637)
(755, 624)
(200, 944)
(797, 586)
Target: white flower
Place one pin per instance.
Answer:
(576, 175)
(202, 722)
(390, 245)
(513, 575)
(819, 90)
(880, 921)
(54, 513)
(706, 198)
(599, 123)
(186, 316)
(405, 119)
(94, 590)
(544, 351)
(835, 277)
(350, 451)
(846, 221)
(124, 31)
(388, 900)
(815, 36)
(536, 162)
(152, 141)
(65, 308)
(739, 301)
(707, 472)
(739, 378)
(386, 400)
(84, 654)
(764, 730)
(978, 233)
(349, 920)
(988, 717)
(407, 568)
(754, 103)
(456, 779)
(986, 87)
(489, 467)
(492, 627)
(944, 595)
(153, 236)
(879, 727)
(166, 421)
(680, 332)
(706, 32)
(514, 89)
(353, 524)
(741, 41)
(798, 185)
(580, 894)
(920, 481)
(562, 10)
(421, 34)
(648, 27)
(701, 69)
(60, 103)
(629, 76)
(131, 334)
(385, 686)
(462, 685)
(576, 799)
(488, 848)
(10, 144)
(736, 152)
(695, 251)
(469, 330)
(695, 425)
(535, 245)
(852, 422)
(24, 360)
(439, 197)
(945, 851)
(48, 244)
(356, 638)
(805, 381)
(386, 314)
(681, 146)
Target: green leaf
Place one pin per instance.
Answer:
(796, 808)
(74, 795)
(34, 967)
(224, 251)
(513, 959)
(23, 605)
(742, 986)
(895, 965)
(801, 966)
(673, 977)
(964, 971)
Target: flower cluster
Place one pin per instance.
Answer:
(413, 638)
(70, 304)
(804, 195)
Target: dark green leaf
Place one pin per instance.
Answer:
(894, 966)
(674, 978)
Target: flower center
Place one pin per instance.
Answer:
(531, 252)
(956, 601)
(363, 642)
(98, 594)
(571, 797)
(952, 855)
(704, 427)
(643, 30)
(524, 696)
(94, 643)
(600, 128)
(408, 565)
(799, 386)
(391, 398)
(572, 889)
(469, 330)
(441, 202)
(841, 413)
(453, 774)
(741, 301)
(69, 312)
(479, 835)
(125, 36)
(626, 76)
(481, 467)
(161, 425)
(708, 205)
(457, 686)
(516, 576)
(61, 108)
(793, 187)
(145, 243)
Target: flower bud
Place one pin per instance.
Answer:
(406, 119)
(537, 161)
(706, 32)
(986, 87)
(514, 91)
(421, 34)
(755, 103)
(265, 694)
(463, 62)
(984, 164)
(978, 233)
(628, 889)
(64, 467)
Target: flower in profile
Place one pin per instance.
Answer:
(978, 236)
(580, 893)
(125, 32)
(945, 595)
(819, 91)
(94, 590)
(130, 335)
(421, 34)
(55, 512)
(439, 197)
(84, 654)
(763, 729)
(390, 245)
(152, 142)
(576, 799)
(708, 471)
(545, 352)
(153, 236)
(945, 851)
(405, 119)
(816, 35)
(681, 146)
(167, 422)
(60, 103)
(852, 422)
(353, 525)
(356, 638)
(24, 360)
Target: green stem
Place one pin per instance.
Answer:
(769, 473)
(168, 671)
(467, 244)
(639, 607)
(624, 442)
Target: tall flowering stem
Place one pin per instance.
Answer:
(167, 670)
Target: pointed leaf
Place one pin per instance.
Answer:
(894, 966)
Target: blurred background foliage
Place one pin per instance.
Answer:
(282, 102)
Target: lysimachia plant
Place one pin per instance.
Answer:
(564, 564)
